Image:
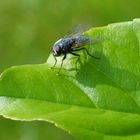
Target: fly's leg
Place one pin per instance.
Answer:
(77, 58)
(90, 54)
(54, 63)
(61, 64)
(86, 52)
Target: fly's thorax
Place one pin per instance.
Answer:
(66, 44)
(68, 41)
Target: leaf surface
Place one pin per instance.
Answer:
(99, 101)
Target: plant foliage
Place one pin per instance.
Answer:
(100, 101)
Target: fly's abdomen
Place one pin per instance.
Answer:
(82, 40)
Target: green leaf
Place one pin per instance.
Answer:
(99, 101)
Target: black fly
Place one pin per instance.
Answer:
(70, 45)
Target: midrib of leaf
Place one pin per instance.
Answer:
(14, 98)
(60, 103)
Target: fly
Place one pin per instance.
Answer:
(70, 45)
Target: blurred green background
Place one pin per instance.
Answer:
(28, 28)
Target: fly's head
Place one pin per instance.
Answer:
(57, 50)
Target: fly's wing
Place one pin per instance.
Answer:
(93, 40)
(76, 31)
(89, 40)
